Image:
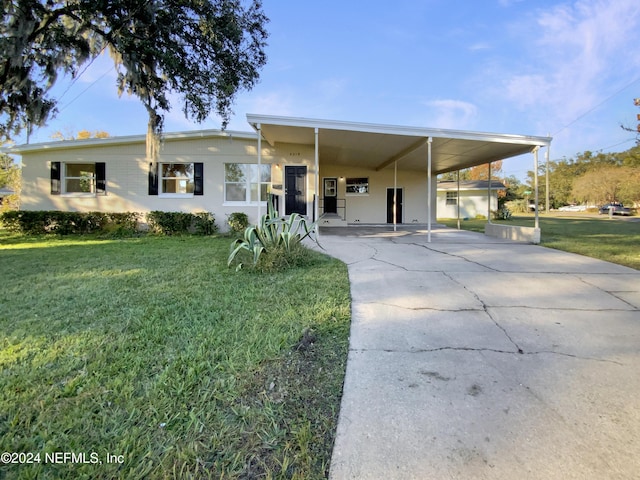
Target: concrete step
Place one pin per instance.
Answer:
(331, 220)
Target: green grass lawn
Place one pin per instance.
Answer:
(150, 349)
(615, 240)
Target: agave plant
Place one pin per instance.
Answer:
(271, 232)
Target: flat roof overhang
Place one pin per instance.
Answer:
(375, 146)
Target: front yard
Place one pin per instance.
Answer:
(148, 358)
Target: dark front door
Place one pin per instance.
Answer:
(330, 195)
(295, 193)
(390, 205)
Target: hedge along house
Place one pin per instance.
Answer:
(341, 173)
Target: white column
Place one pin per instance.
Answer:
(429, 189)
(317, 182)
(458, 200)
(546, 203)
(535, 177)
(489, 195)
(395, 193)
(259, 130)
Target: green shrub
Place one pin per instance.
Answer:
(204, 224)
(40, 222)
(517, 206)
(502, 214)
(272, 244)
(169, 223)
(180, 223)
(238, 222)
(11, 220)
(124, 224)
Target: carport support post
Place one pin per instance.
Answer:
(395, 193)
(489, 194)
(458, 200)
(546, 203)
(317, 182)
(259, 130)
(535, 180)
(429, 189)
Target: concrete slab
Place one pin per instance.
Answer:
(474, 358)
(428, 290)
(549, 290)
(392, 328)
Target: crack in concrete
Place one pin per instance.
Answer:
(418, 309)
(610, 292)
(426, 247)
(486, 311)
(389, 263)
(524, 307)
(480, 349)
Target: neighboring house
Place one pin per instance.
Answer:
(341, 172)
(473, 199)
(5, 192)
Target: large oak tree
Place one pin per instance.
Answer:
(203, 50)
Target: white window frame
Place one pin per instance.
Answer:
(161, 178)
(64, 177)
(451, 198)
(248, 184)
(350, 181)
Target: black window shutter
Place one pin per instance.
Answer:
(101, 178)
(153, 179)
(198, 177)
(56, 168)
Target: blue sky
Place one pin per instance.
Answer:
(566, 68)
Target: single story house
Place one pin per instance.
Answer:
(472, 198)
(342, 173)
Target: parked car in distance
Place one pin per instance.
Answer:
(617, 209)
(573, 208)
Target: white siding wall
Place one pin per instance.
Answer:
(472, 203)
(127, 175)
(372, 208)
(127, 179)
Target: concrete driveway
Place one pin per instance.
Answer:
(475, 358)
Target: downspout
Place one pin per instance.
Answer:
(395, 193)
(259, 131)
(429, 189)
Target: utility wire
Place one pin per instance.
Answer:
(87, 88)
(596, 106)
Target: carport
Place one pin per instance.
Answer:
(377, 147)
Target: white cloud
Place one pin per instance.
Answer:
(479, 46)
(581, 53)
(508, 3)
(448, 113)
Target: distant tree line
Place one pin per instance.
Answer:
(593, 178)
(588, 178)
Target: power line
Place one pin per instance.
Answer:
(596, 106)
(87, 88)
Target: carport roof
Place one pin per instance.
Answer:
(379, 146)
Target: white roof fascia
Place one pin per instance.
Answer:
(255, 119)
(124, 140)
